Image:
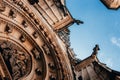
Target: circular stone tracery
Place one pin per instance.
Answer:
(17, 61)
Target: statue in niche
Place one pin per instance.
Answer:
(16, 60)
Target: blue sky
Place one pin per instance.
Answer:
(101, 26)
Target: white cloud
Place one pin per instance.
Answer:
(115, 41)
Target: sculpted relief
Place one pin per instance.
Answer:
(2, 7)
(16, 60)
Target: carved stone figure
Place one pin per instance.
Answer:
(16, 60)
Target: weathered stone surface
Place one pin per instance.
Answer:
(34, 44)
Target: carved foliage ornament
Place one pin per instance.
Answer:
(17, 61)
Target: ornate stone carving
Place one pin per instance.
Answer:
(64, 35)
(24, 23)
(46, 49)
(20, 3)
(26, 9)
(46, 19)
(31, 15)
(35, 34)
(52, 77)
(17, 61)
(38, 71)
(36, 21)
(8, 28)
(61, 6)
(12, 13)
(22, 38)
(36, 54)
(2, 6)
(52, 66)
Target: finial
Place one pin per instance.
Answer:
(95, 49)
